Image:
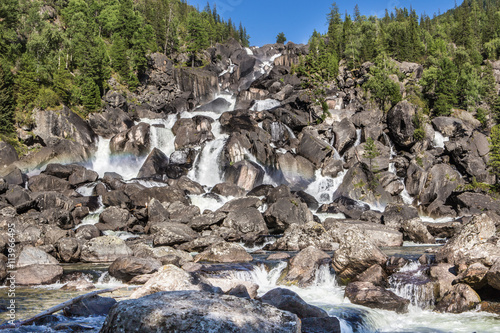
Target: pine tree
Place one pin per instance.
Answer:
(91, 99)
(197, 36)
(494, 162)
(446, 87)
(280, 38)
(7, 102)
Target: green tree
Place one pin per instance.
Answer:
(494, 162)
(91, 99)
(197, 36)
(7, 102)
(280, 38)
(371, 152)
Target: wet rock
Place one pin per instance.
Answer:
(474, 276)
(471, 244)
(170, 233)
(460, 298)
(36, 274)
(285, 299)
(246, 221)
(400, 122)
(493, 275)
(191, 132)
(63, 124)
(126, 268)
(313, 148)
(114, 218)
(285, 212)
(444, 274)
(350, 208)
(375, 275)
(217, 105)
(134, 141)
(367, 294)
(395, 214)
(228, 285)
(42, 183)
(355, 255)
(345, 135)
(224, 253)
(87, 232)
(442, 180)
(92, 306)
(226, 190)
(167, 278)
(298, 172)
(359, 182)
(68, 249)
(304, 266)
(155, 165)
(32, 256)
(321, 325)
(279, 256)
(186, 309)
(109, 122)
(141, 198)
(245, 174)
(298, 237)
(104, 249)
(416, 231)
(449, 126)
(187, 185)
(8, 155)
(378, 235)
(145, 251)
(82, 176)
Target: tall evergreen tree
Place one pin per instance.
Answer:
(7, 102)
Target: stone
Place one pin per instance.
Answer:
(244, 174)
(493, 275)
(170, 233)
(92, 306)
(460, 298)
(36, 274)
(375, 275)
(246, 221)
(68, 249)
(304, 266)
(167, 278)
(185, 311)
(155, 165)
(285, 212)
(34, 256)
(355, 255)
(104, 249)
(134, 141)
(416, 231)
(126, 268)
(298, 237)
(298, 172)
(313, 148)
(321, 325)
(224, 253)
(367, 294)
(285, 299)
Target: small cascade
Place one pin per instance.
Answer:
(258, 247)
(439, 140)
(390, 144)
(207, 169)
(108, 281)
(407, 198)
(161, 136)
(265, 104)
(323, 187)
(411, 283)
(358, 137)
(125, 165)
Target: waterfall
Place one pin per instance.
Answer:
(207, 167)
(266, 104)
(161, 136)
(439, 140)
(322, 188)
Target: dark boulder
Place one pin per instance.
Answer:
(134, 141)
(92, 306)
(126, 268)
(367, 294)
(285, 299)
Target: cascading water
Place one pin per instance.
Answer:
(439, 140)
(265, 104)
(322, 188)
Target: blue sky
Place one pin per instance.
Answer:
(264, 19)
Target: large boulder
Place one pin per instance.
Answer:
(110, 122)
(8, 155)
(313, 148)
(42, 183)
(401, 124)
(126, 268)
(460, 298)
(367, 294)
(285, 212)
(36, 274)
(34, 256)
(417, 232)
(191, 132)
(245, 174)
(141, 199)
(63, 124)
(355, 255)
(224, 253)
(300, 236)
(92, 306)
(395, 214)
(115, 218)
(297, 171)
(167, 278)
(472, 243)
(171, 233)
(304, 266)
(442, 180)
(449, 126)
(246, 221)
(345, 135)
(155, 165)
(134, 141)
(188, 311)
(105, 249)
(377, 234)
(285, 299)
